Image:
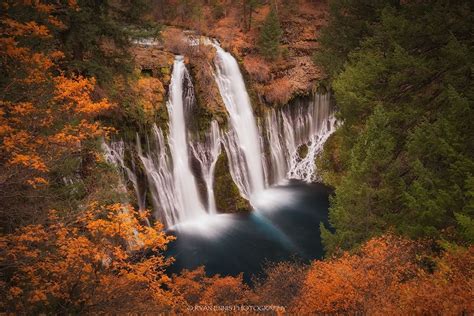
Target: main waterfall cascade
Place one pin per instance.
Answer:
(259, 155)
(245, 158)
(172, 184)
(180, 100)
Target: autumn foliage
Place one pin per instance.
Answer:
(280, 284)
(257, 68)
(191, 288)
(45, 114)
(85, 265)
(390, 276)
(66, 260)
(278, 91)
(97, 255)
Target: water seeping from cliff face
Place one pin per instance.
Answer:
(295, 135)
(207, 153)
(158, 168)
(115, 154)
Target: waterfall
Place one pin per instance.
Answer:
(242, 142)
(237, 164)
(115, 154)
(283, 145)
(265, 161)
(306, 124)
(179, 100)
(159, 172)
(173, 186)
(207, 153)
(277, 154)
(283, 134)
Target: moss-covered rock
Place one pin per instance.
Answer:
(330, 162)
(165, 71)
(227, 195)
(303, 150)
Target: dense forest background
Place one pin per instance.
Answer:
(401, 163)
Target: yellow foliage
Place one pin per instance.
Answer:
(152, 93)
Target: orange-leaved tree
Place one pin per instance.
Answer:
(45, 115)
(390, 275)
(104, 260)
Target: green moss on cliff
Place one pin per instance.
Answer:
(303, 150)
(228, 199)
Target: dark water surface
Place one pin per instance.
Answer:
(284, 226)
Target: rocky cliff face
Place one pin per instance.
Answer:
(274, 82)
(293, 73)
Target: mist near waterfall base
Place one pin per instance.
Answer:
(283, 226)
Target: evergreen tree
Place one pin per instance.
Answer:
(350, 22)
(270, 36)
(408, 140)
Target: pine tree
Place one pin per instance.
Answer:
(408, 140)
(350, 22)
(270, 36)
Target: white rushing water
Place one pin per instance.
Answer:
(159, 171)
(115, 154)
(242, 142)
(172, 183)
(285, 134)
(207, 153)
(295, 135)
(185, 183)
